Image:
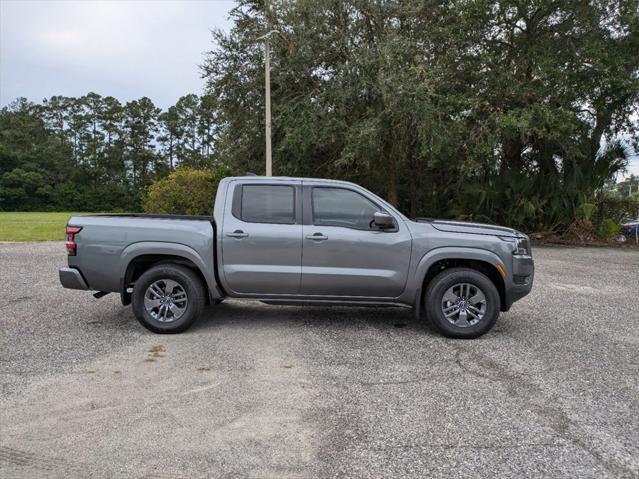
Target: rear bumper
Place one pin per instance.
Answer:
(522, 280)
(71, 278)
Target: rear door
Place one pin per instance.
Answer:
(262, 237)
(343, 253)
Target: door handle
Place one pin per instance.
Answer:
(317, 237)
(237, 234)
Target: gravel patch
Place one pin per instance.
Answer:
(283, 391)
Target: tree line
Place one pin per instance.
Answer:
(94, 153)
(493, 110)
(507, 111)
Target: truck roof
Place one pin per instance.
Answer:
(289, 178)
(322, 180)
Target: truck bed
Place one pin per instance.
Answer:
(107, 243)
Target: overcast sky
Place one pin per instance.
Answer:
(124, 48)
(127, 49)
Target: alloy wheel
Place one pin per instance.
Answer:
(165, 300)
(463, 305)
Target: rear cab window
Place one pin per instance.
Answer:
(275, 204)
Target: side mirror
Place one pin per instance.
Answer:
(383, 221)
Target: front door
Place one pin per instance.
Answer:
(344, 254)
(262, 238)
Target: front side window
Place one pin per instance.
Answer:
(342, 207)
(268, 204)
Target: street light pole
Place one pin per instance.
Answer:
(267, 81)
(267, 100)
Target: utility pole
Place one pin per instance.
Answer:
(267, 80)
(267, 99)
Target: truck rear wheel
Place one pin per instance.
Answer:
(462, 303)
(168, 298)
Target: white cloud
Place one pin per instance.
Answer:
(127, 49)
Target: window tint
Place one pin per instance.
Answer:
(341, 207)
(268, 204)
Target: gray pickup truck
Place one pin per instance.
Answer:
(284, 240)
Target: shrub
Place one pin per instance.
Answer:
(185, 191)
(587, 211)
(607, 228)
(615, 207)
(611, 210)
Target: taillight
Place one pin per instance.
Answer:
(72, 248)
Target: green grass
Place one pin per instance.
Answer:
(28, 226)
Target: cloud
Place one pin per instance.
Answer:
(127, 49)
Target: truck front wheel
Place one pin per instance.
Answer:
(462, 303)
(168, 298)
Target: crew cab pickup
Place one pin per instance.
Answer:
(284, 240)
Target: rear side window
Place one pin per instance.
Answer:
(268, 204)
(342, 207)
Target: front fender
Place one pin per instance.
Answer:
(449, 252)
(456, 252)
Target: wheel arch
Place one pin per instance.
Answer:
(436, 261)
(139, 258)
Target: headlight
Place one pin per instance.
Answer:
(521, 246)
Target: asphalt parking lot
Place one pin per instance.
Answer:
(264, 391)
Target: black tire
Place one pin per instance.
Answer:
(187, 279)
(449, 278)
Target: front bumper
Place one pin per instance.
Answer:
(71, 278)
(521, 282)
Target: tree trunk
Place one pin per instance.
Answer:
(391, 185)
(602, 122)
(170, 152)
(414, 188)
(511, 160)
